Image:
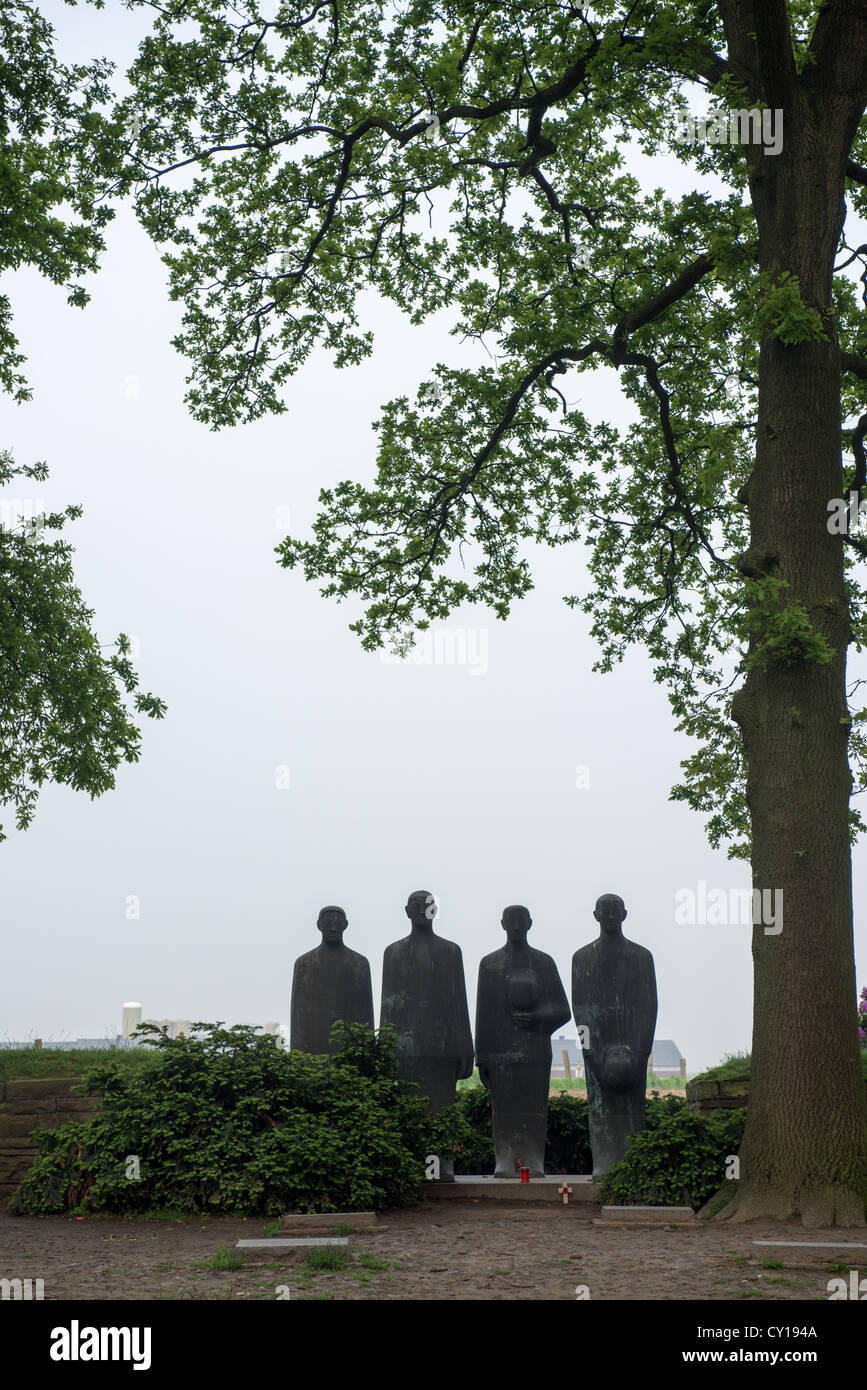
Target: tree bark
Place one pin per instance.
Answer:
(804, 1152)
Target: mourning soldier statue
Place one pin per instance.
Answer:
(614, 1005)
(520, 1002)
(424, 999)
(329, 983)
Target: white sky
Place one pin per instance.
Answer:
(401, 777)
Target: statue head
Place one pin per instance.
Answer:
(609, 913)
(421, 908)
(516, 923)
(332, 922)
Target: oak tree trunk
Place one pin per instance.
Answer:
(804, 1151)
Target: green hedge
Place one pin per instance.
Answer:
(229, 1121)
(678, 1160)
(567, 1147)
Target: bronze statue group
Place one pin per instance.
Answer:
(520, 1002)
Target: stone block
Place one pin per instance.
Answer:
(28, 1107)
(469, 1187)
(37, 1088)
(20, 1126)
(85, 1107)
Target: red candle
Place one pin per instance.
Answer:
(525, 1175)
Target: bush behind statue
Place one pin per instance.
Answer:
(567, 1145)
(678, 1160)
(229, 1121)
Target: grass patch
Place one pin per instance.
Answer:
(273, 1228)
(327, 1257)
(226, 1258)
(735, 1066)
(345, 1229)
(772, 1264)
(23, 1063)
(370, 1261)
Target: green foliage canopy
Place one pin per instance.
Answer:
(63, 711)
(452, 156)
(63, 716)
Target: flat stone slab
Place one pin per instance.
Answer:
(808, 1254)
(647, 1216)
(299, 1222)
(472, 1187)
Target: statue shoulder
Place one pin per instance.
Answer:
(450, 948)
(639, 951)
(541, 958)
(491, 960)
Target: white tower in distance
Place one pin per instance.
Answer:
(131, 1019)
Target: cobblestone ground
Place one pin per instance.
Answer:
(440, 1250)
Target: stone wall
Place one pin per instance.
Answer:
(28, 1104)
(703, 1096)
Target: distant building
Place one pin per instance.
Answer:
(131, 1019)
(665, 1057)
(574, 1054)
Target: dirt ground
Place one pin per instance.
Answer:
(442, 1250)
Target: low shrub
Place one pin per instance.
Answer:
(475, 1149)
(678, 1160)
(567, 1147)
(227, 1120)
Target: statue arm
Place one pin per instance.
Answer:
(555, 1011)
(463, 1037)
(653, 1007)
(367, 990)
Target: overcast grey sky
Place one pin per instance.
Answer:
(458, 779)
